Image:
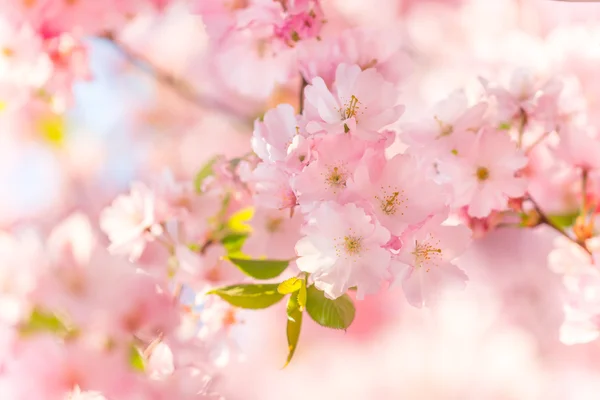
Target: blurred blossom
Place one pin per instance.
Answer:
(175, 173)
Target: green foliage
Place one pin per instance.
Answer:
(233, 243)
(302, 296)
(205, 172)
(41, 321)
(335, 314)
(238, 221)
(260, 269)
(564, 220)
(136, 359)
(290, 285)
(294, 325)
(250, 296)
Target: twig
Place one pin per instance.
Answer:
(584, 185)
(302, 87)
(546, 221)
(177, 85)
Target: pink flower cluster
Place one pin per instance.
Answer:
(66, 302)
(368, 219)
(43, 53)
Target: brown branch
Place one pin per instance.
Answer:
(543, 219)
(302, 87)
(179, 86)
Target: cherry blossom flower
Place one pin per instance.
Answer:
(273, 135)
(272, 187)
(130, 221)
(453, 126)
(425, 266)
(274, 234)
(398, 195)
(486, 176)
(525, 97)
(579, 147)
(361, 46)
(362, 103)
(343, 247)
(325, 178)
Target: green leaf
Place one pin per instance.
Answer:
(205, 172)
(250, 296)
(260, 269)
(336, 314)
(41, 321)
(136, 360)
(565, 220)
(302, 296)
(238, 221)
(290, 285)
(234, 242)
(294, 324)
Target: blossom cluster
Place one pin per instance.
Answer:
(66, 301)
(359, 181)
(370, 218)
(44, 52)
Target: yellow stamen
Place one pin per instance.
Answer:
(351, 109)
(482, 174)
(352, 244)
(273, 224)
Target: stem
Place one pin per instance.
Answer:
(539, 140)
(150, 349)
(522, 124)
(584, 184)
(545, 220)
(179, 86)
(302, 87)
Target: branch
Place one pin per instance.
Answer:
(543, 219)
(302, 87)
(179, 86)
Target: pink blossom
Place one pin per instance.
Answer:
(130, 221)
(325, 178)
(398, 194)
(342, 248)
(274, 234)
(485, 177)
(527, 96)
(361, 104)
(273, 135)
(21, 262)
(361, 46)
(452, 128)
(303, 19)
(425, 265)
(580, 147)
(72, 241)
(205, 270)
(272, 187)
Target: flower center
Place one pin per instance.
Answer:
(445, 129)
(426, 253)
(351, 108)
(389, 203)
(352, 244)
(273, 224)
(336, 177)
(234, 5)
(482, 174)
